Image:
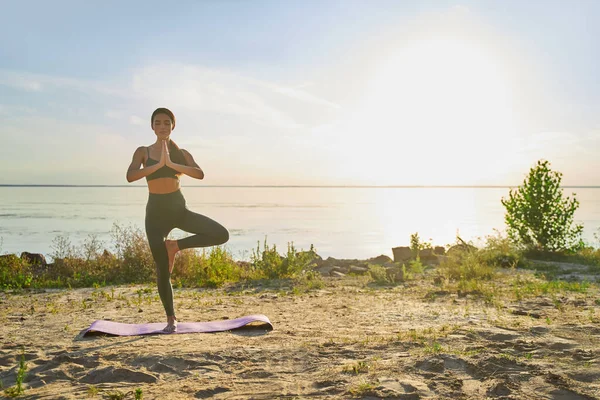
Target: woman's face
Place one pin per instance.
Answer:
(162, 126)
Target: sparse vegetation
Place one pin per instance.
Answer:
(92, 391)
(362, 388)
(132, 262)
(18, 389)
(416, 245)
(359, 367)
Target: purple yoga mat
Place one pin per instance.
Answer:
(120, 329)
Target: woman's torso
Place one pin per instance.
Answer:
(161, 185)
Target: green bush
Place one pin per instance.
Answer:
(467, 264)
(539, 217)
(416, 245)
(500, 251)
(269, 264)
(379, 275)
(15, 273)
(132, 248)
(209, 269)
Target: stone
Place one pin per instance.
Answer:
(358, 270)
(33, 258)
(401, 253)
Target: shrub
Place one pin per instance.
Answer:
(132, 248)
(467, 264)
(15, 273)
(269, 264)
(538, 216)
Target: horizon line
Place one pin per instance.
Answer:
(301, 186)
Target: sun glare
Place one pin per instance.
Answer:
(441, 105)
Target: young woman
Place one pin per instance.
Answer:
(163, 163)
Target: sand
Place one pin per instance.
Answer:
(349, 339)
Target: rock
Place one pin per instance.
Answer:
(337, 274)
(380, 260)
(341, 270)
(33, 258)
(358, 270)
(439, 250)
(427, 256)
(325, 270)
(431, 261)
(460, 248)
(329, 262)
(426, 253)
(402, 253)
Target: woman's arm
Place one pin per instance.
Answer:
(134, 172)
(191, 169)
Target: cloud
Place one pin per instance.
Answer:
(135, 120)
(296, 93)
(25, 82)
(204, 89)
(16, 110)
(194, 88)
(41, 82)
(112, 114)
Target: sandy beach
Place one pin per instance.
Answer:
(349, 339)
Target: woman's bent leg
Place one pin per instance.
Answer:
(207, 231)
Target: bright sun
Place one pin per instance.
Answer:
(437, 108)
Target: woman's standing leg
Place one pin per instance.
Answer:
(156, 239)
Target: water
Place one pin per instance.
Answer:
(339, 222)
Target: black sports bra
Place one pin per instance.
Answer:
(164, 172)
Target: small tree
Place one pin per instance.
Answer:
(538, 216)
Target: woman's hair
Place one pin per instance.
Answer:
(174, 150)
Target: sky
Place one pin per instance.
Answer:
(334, 92)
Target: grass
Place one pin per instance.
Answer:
(362, 388)
(92, 391)
(18, 389)
(433, 348)
(359, 367)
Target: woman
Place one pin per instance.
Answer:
(163, 163)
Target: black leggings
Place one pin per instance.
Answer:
(164, 212)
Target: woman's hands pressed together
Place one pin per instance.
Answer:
(165, 157)
(190, 167)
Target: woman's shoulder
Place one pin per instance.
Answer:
(141, 151)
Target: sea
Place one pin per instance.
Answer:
(339, 222)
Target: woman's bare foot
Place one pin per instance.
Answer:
(172, 249)
(171, 325)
